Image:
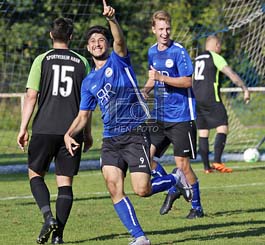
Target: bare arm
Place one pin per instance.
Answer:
(88, 140)
(119, 44)
(227, 70)
(77, 126)
(30, 100)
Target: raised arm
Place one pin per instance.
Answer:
(119, 44)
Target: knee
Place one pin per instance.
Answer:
(143, 191)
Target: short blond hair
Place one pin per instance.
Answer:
(161, 15)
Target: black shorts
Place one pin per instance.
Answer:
(182, 135)
(211, 116)
(43, 148)
(130, 150)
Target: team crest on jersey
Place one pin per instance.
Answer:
(169, 63)
(108, 72)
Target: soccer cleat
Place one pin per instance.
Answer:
(195, 213)
(183, 185)
(209, 171)
(168, 202)
(222, 168)
(142, 240)
(57, 239)
(49, 225)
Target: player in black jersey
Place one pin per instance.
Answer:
(54, 82)
(211, 112)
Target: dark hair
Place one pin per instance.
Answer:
(98, 29)
(62, 29)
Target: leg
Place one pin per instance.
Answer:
(42, 196)
(114, 179)
(64, 204)
(219, 145)
(204, 149)
(156, 168)
(196, 208)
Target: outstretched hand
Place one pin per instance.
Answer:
(108, 11)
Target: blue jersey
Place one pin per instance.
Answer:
(172, 104)
(114, 87)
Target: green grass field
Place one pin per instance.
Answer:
(233, 204)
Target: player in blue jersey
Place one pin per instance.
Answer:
(113, 86)
(170, 76)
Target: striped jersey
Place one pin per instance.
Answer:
(115, 89)
(172, 104)
(206, 83)
(57, 75)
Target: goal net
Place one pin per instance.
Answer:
(24, 27)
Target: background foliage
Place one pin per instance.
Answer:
(26, 23)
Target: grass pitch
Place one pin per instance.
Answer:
(233, 205)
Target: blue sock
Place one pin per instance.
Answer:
(159, 171)
(173, 189)
(196, 201)
(127, 215)
(160, 184)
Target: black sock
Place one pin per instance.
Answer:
(204, 151)
(219, 146)
(63, 207)
(42, 195)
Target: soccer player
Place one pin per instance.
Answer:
(211, 112)
(55, 82)
(113, 86)
(170, 76)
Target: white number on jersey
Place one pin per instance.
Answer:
(199, 68)
(64, 79)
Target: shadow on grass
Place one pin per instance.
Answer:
(248, 232)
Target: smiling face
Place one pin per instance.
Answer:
(98, 46)
(162, 30)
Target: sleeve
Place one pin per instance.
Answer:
(149, 57)
(219, 61)
(125, 61)
(88, 101)
(35, 74)
(184, 63)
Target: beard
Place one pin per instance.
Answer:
(103, 56)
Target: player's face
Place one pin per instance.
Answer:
(98, 46)
(162, 31)
(218, 47)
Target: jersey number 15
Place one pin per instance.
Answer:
(60, 75)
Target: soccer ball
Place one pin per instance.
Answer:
(251, 155)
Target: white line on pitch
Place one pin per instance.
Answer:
(130, 192)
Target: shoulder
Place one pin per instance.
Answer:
(40, 57)
(153, 48)
(177, 45)
(204, 55)
(218, 60)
